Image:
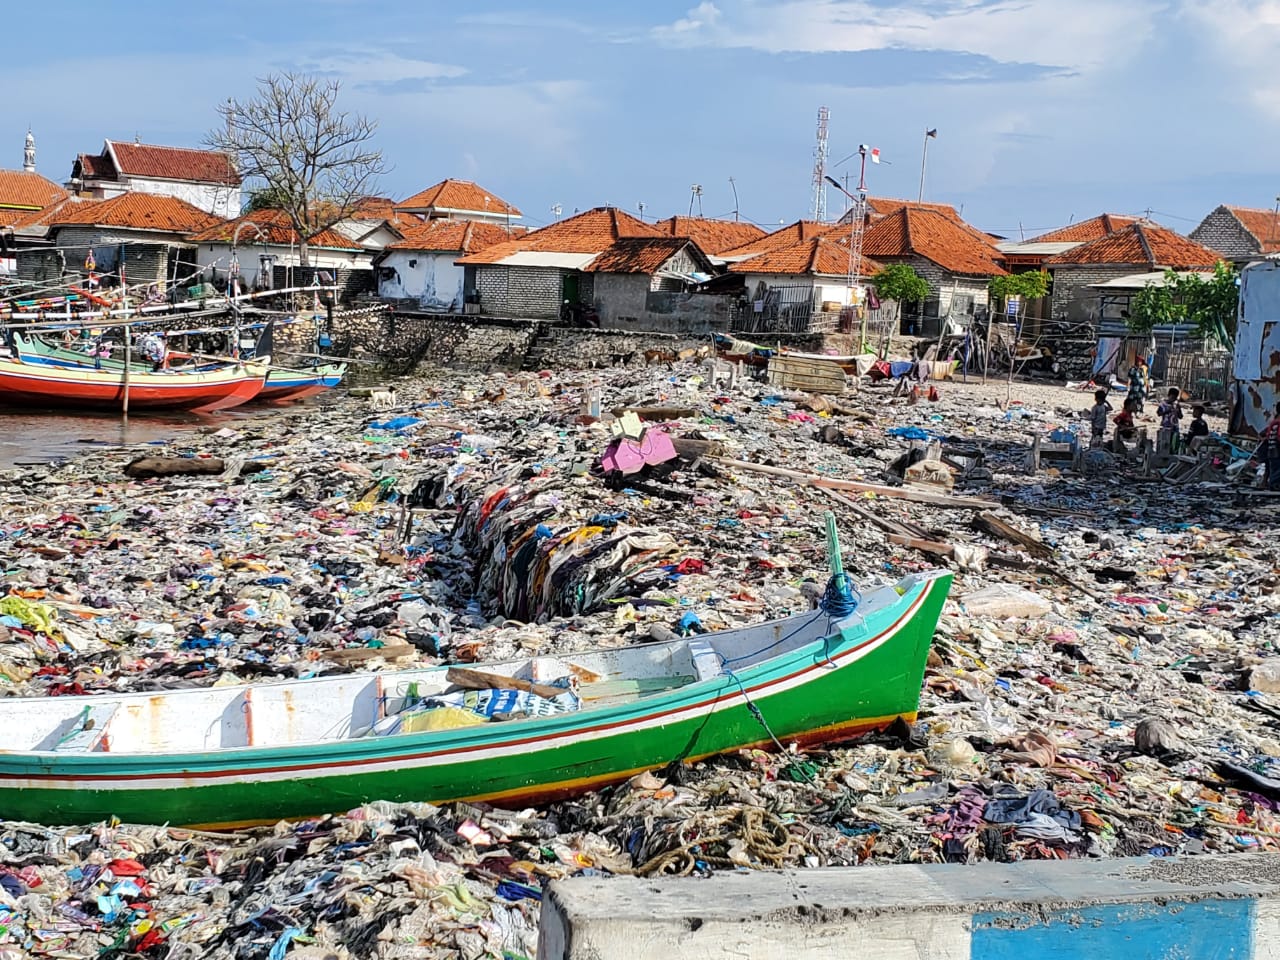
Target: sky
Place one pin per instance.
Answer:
(1046, 111)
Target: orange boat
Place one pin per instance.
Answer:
(34, 385)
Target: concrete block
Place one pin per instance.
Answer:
(1204, 908)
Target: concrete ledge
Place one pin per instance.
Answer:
(1201, 908)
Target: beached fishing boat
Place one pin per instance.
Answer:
(37, 385)
(250, 754)
(751, 354)
(285, 384)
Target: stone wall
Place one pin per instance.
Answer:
(579, 349)
(1073, 296)
(626, 301)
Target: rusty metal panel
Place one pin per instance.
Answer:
(1256, 363)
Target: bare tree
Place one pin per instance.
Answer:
(315, 160)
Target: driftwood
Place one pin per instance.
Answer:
(349, 655)
(689, 449)
(657, 414)
(145, 468)
(479, 680)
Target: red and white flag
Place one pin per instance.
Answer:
(875, 154)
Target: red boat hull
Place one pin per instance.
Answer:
(32, 385)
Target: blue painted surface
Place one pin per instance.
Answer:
(1208, 930)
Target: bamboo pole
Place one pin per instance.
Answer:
(128, 362)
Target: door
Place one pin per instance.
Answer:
(569, 288)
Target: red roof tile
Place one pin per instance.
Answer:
(642, 255)
(274, 227)
(465, 236)
(1086, 230)
(94, 165)
(173, 163)
(1140, 244)
(821, 256)
(591, 232)
(137, 211)
(912, 231)
(458, 196)
(24, 190)
(883, 206)
(787, 236)
(40, 218)
(1263, 225)
(711, 236)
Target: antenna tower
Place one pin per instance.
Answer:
(819, 205)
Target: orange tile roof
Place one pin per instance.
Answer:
(1263, 225)
(711, 236)
(1086, 230)
(40, 218)
(461, 196)
(174, 163)
(912, 231)
(787, 236)
(1140, 244)
(24, 190)
(820, 256)
(641, 255)
(466, 236)
(274, 227)
(883, 206)
(591, 232)
(137, 211)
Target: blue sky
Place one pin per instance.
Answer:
(1046, 110)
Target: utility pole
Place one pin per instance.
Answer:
(695, 193)
(734, 187)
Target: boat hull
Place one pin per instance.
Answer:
(855, 681)
(284, 385)
(38, 385)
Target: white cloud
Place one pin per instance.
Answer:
(1245, 34)
(1029, 31)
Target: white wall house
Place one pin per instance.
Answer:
(422, 266)
(264, 240)
(203, 178)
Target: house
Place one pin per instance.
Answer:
(801, 231)
(800, 287)
(1240, 234)
(422, 265)
(265, 247)
(22, 194)
(374, 223)
(649, 283)
(534, 276)
(144, 233)
(1140, 247)
(713, 237)
(206, 179)
(459, 200)
(1031, 254)
(956, 260)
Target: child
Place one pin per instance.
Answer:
(1098, 418)
(1125, 428)
(1170, 412)
(1139, 380)
(1199, 427)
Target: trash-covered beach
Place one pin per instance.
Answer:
(1102, 683)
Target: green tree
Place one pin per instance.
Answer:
(266, 198)
(1031, 285)
(901, 284)
(1210, 304)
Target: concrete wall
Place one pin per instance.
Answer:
(533, 292)
(1072, 297)
(627, 301)
(220, 201)
(1222, 232)
(217, 256)
(1225, 906)
(428, 277)
(1256, 362)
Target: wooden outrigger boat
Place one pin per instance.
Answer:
(283, 384)
(253, 754)
(751, 354)
(40, 385)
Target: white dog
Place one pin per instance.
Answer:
(383, 399)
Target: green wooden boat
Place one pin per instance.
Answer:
(253, 754)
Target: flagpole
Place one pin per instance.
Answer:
(924, 156)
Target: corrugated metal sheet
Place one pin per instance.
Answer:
(1256, 364)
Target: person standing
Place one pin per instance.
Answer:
(1170, 414)
(1098, 418)
(1139, 382)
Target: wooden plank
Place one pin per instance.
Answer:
(814, 376)
(479, 680)
(927, 546)
(990, 523)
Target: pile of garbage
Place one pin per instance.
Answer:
(1105, 680)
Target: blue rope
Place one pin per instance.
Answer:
(840, 600)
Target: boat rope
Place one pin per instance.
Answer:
(755, 712)
(840, 599)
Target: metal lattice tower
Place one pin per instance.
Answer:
(819, 205)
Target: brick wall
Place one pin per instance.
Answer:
(1072, 297)
(40, 264)
(1222, 232)
(527, 292)
(626, 301)
(146, 259)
